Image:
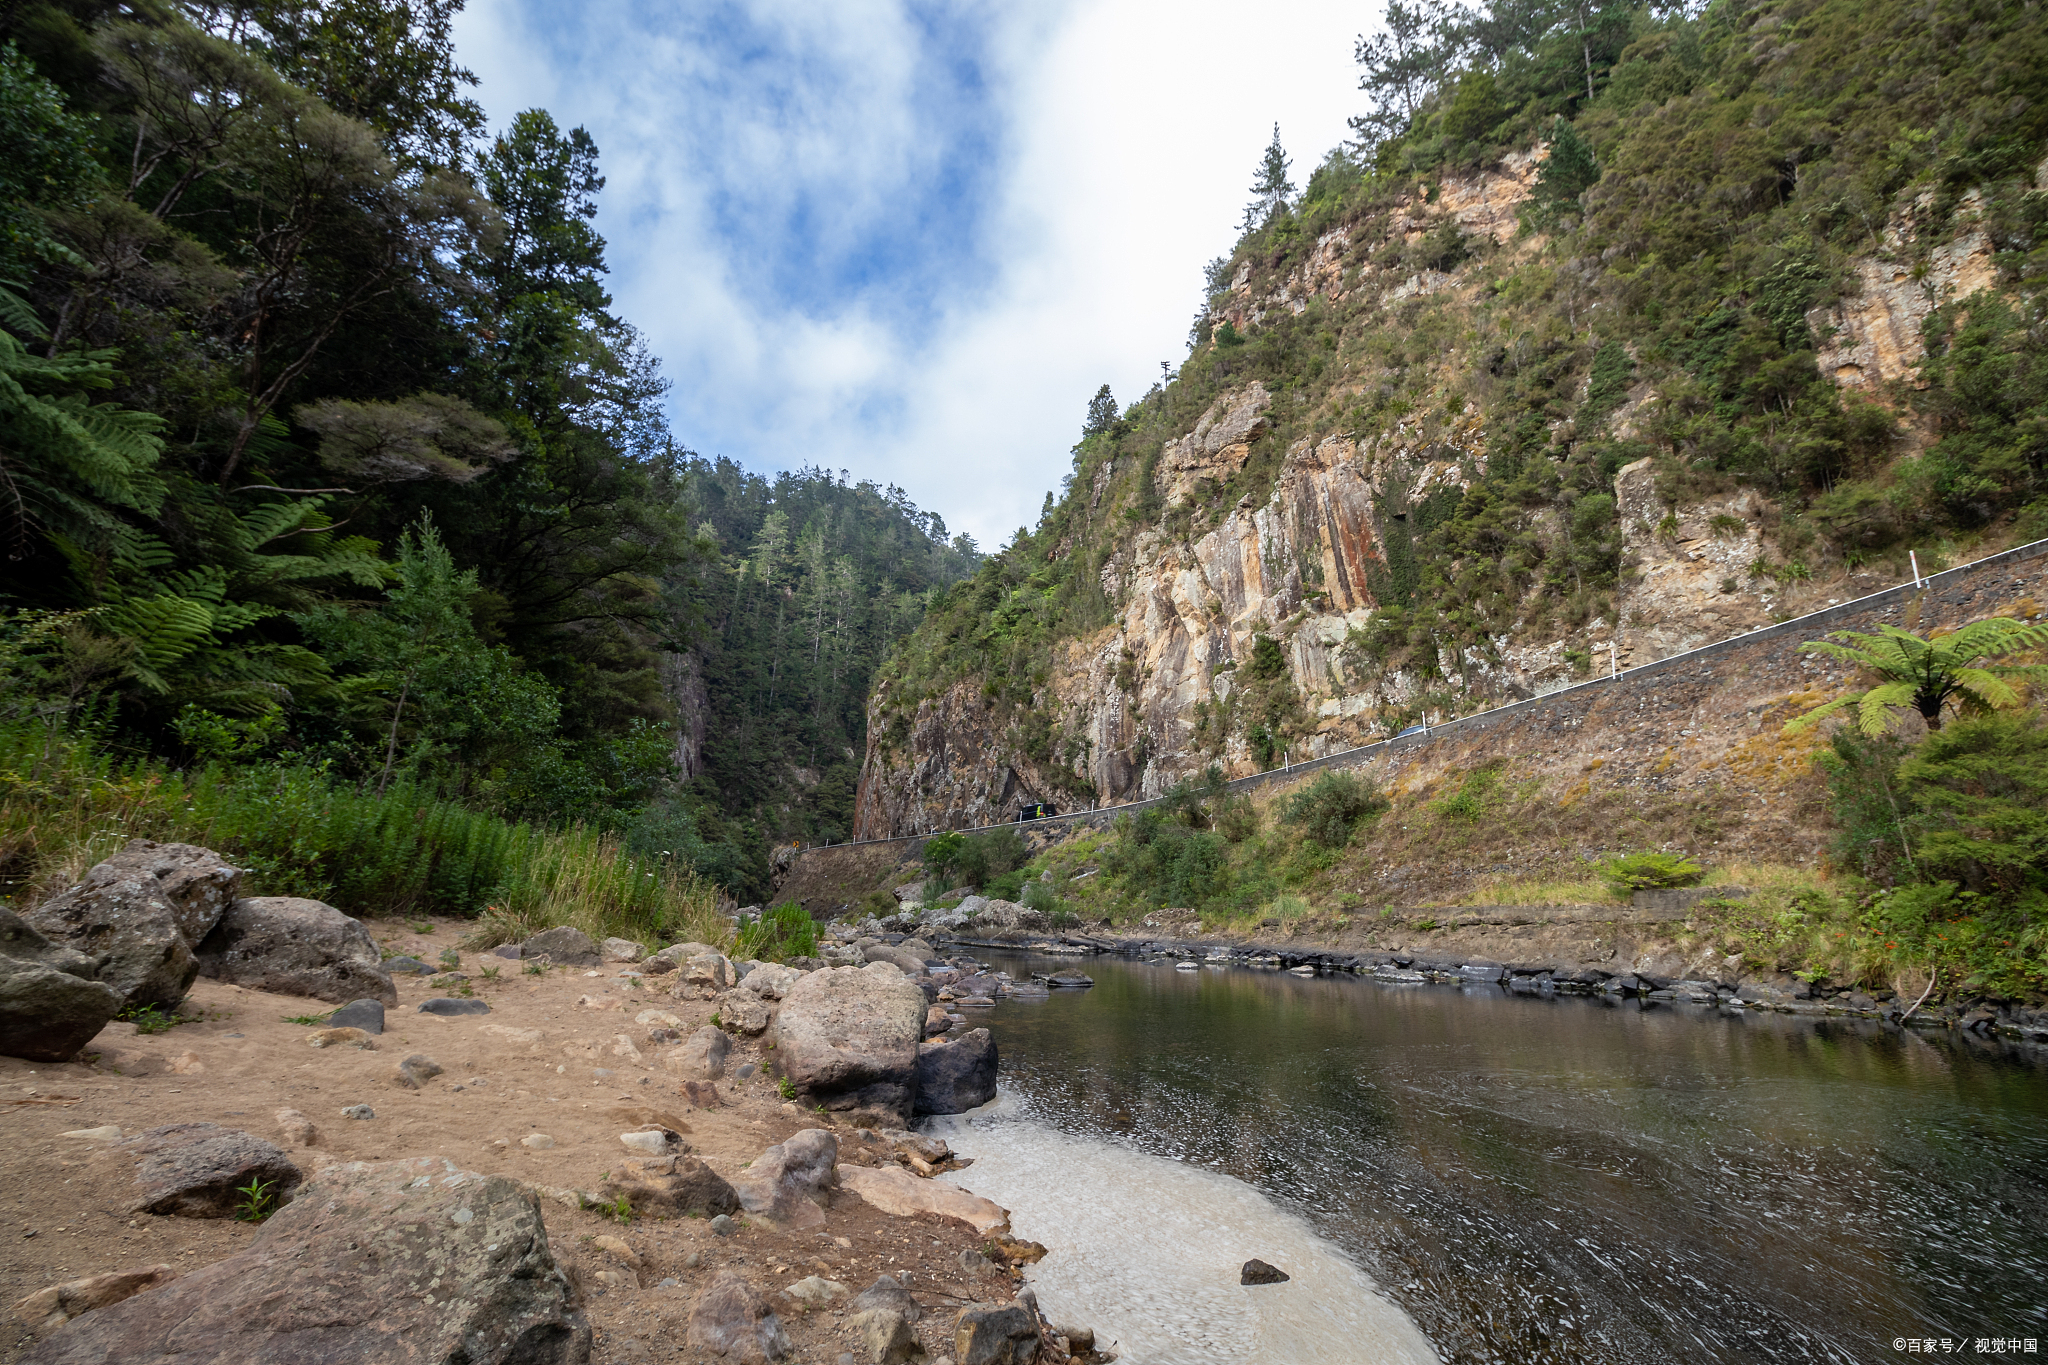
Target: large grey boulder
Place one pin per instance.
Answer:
(139, 914)
(50, 1005)
(384, 1261)
(846, 1038)
(564, 947)
(910, 964)
(784, 1183)
(954, 1077)
(295, 947)
(200, 1170)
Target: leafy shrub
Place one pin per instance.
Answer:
(1474, 794)
(1328, 809)
(989, 855)
(785, 932)
(1650, 871)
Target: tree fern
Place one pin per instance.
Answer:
(1931, 674)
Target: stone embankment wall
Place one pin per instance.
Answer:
(1708, 719)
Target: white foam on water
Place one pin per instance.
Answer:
(1147, 1251)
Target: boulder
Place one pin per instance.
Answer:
(48, 1309)
(367, 1015)
(784, 1182)
(909, 964)
(992, 1334)
(674, 1187)
(198, 1170)
(886, 1338)
(138, 915)
(998, 914)
(702, 1055)
(954, 1077)
(732, 1319)
(771, 980)
(936, 1021)
(744, 1012)
(900, 1194)
(846, 1038)
(392, 1260)
(296, 947)
(50, 1005)
(705, 975)
(886, 1293)
(563, 946)
(621, 950)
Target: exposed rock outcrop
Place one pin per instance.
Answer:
(139, 915)
(50, 1003)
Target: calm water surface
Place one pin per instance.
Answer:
(1534, 1180)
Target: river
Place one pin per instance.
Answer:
(1466, 1175)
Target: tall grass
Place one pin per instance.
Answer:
(65, 804)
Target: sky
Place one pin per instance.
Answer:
(909, 240)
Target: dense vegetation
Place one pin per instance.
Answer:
(1710, 178)
(324, 458)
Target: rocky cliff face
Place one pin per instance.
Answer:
(1304, 560)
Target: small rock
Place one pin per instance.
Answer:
(296, 1128)
(415, 1071)
(702, 1057)
(782, 1184)
(359, 1111)
(616, 1247)
(408, 966)
(536, 1142)
(48, 1309)
(673, 1188)
(887, 1293)
(197, 1170)
(621, 950)
(724, 1226)
(814, 1291)
(367, 1015)
(1258, 1272)
(564, 947)
(342, 1037)
(187, 1063)
(654, 1141)
(622, 1046)
(446, 1005)
(509, 951)
(1080, 1340)
(744, 1012)
(974, 1263)
(988, 1334)
(660, 1018)
(702, 1094)
(109, 1133)
(733, 1320)
(886, 1337)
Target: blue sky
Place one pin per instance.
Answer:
(908, 240)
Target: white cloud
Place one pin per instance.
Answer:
(1120, 137)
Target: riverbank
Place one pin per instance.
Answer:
(541, 1089)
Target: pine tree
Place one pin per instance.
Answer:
(1101, 413)
(1271, 188)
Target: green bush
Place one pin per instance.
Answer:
(1328, 809)
(780, 934)
(1650, 871)
(988, 855)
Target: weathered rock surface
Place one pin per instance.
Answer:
(672, 1187)
(846, 1038)
(621, 950)
(886, 1338)
(955, 1076)
(732, 1319)
(785, 1182)
(296, 947)
(742, 1011)
(897, 1192)
(701, 1056)
(385, 1261)
(415, 1071)
(196, 1170)
(451, 1006)
(908, 963)
(770, 980)
(138, 915)
(996, 1334)
(48, 1309)
(888, 1293)
(50, 1005)
(563, 946)
(1258, 1272)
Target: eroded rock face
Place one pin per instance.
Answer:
(139, 914)
(50, 1005)
(847, 1037)
(295, 947)
(393, 1260)
(953, 1077)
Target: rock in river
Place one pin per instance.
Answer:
(383, 1261)
(1258, 1272)
(953, 1077)
(847, 1037)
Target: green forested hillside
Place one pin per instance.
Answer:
(324, 451)
(1710, 178)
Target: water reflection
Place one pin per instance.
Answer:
(1579, 1180)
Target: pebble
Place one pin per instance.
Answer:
(536, 1142)
(724, 1226)
(359, 1111)
(446, 1005)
